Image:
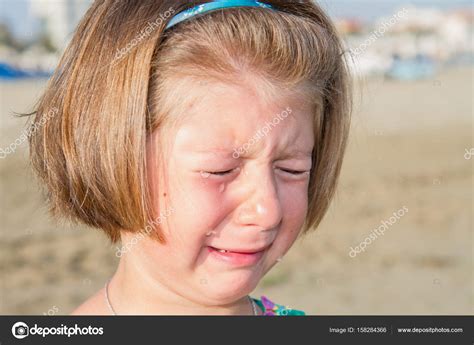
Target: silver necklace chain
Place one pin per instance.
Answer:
(109, 305)
(107, 299)
(254, 305)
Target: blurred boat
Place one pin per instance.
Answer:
(9, 72)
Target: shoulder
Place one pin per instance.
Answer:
(94, 305)
(270, 308)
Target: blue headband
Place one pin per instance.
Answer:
(212, 6)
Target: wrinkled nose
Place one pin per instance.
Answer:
(262, 206)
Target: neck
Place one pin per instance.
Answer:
(132, 291)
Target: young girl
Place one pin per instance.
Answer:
(205, 136)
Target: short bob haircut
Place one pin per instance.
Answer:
(114, 86)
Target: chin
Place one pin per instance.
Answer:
(231, 286)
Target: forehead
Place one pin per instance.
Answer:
(220, 117)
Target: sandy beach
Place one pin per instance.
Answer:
(406, 149)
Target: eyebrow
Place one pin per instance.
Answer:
(297, 153)
(215, 151)
(225, 153)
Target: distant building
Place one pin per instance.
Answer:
(59, 18)
(412, 45)
(349, 26)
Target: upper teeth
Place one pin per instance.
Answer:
(222, 250)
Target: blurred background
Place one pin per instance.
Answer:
(411, 146)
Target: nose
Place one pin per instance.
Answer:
(262, 206)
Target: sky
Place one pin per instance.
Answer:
(15, 12)
(368, 10)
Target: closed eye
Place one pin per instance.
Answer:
(295, 172)
(220, 173)
(227, 172)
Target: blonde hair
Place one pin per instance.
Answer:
(92, 155)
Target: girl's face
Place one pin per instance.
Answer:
(235, 195)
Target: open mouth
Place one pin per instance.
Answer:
(240, 257)
(239, 251)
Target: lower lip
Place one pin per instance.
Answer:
(237, 259)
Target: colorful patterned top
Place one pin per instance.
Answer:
(272, 309)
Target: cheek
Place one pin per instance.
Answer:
(207, 194)
(199, 205)
(198, 210)
(295, 206)
(294, 199)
